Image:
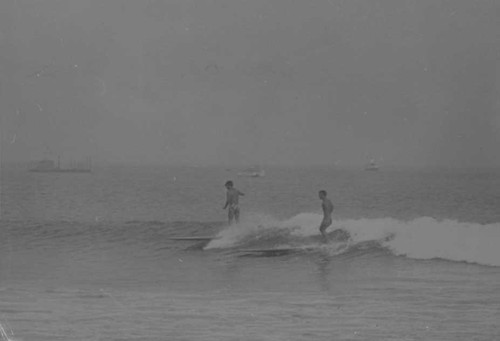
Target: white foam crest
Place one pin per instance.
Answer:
(233, 234)
(363, 230)
(4, 335)
(427, 238)
(303, 224)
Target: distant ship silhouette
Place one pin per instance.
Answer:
(372, 166)
(254, 172)
(49, 166)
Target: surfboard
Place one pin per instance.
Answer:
(286, 250)
(196, 238)
(271, 251)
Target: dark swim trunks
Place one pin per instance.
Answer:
(234, 210)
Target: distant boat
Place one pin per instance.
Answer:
(254, 172)
(49, 166)
(372, 166)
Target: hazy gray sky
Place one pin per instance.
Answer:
(405, 82)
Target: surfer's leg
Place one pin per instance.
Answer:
(324, 225)
(322, 229)
(237, 215)
(230, 215)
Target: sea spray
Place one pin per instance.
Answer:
(253, 226)
(4, 336)
(3, 333)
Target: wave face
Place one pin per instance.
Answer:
(420, 238)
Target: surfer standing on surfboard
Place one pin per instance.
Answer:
(232, 200)
(327, 207)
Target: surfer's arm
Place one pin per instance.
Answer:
(327, 208)
(241, 193)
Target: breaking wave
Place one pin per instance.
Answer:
(420, 238)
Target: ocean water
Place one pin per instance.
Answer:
(90, 256)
